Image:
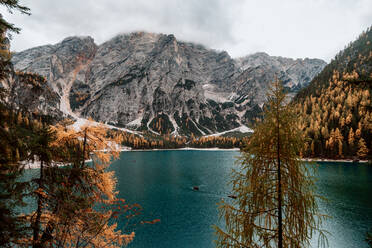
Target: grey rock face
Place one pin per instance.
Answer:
(26, 91)
(136, 80)
(139, 76)
(30, 92)
(61, 64)
(259, 70)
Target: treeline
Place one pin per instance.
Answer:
(150, 141)
(218, 141)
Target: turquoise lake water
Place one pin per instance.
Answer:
(162, 183)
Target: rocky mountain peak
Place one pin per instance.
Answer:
(295, 73)
(154, 82)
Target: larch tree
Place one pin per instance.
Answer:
(362, 149)
(78, 202)
(275, 204)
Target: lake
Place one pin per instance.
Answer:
(162, 183)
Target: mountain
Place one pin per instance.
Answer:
(336, 106)
(154, 82)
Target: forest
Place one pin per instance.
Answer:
(335, 109)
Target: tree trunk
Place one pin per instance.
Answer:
(36, 224)
(280, 227)
(84, 144)
(47, 234)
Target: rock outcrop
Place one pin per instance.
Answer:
(26, 91)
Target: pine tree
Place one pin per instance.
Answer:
(275, 204)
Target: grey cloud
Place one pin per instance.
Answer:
(291, 28)
(204, 21)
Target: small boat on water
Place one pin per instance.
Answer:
(195, 188)
(232, 196)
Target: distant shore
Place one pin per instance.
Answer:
(128, 149)
(333, 160)
(36, 164)
(181, 149)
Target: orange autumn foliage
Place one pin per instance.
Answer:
(69, 217)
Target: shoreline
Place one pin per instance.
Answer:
(128, 149)
(36, 164)
(180, 149)
(333, 160)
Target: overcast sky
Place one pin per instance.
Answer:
(289, 28)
